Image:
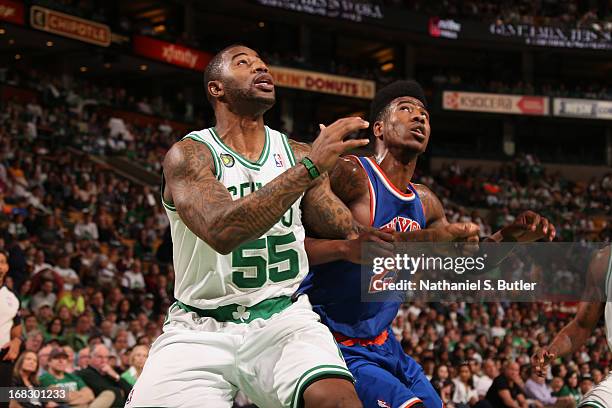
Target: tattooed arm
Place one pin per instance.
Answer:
(323, 213)
(575, 334)
(207, 208)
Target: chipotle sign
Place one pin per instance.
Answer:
(70, 26)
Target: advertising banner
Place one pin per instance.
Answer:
(70, 26)
(549, 36)
(582, 108)
(325, 83)
(495, 103)
(174, 54)
(448, 28)
(354, 10)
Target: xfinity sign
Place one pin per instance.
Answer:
(444, 28)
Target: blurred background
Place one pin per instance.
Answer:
(93, 93)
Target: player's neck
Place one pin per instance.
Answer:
(400, 174)
(246, 135)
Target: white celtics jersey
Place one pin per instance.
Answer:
(271, 266)
(608, 310)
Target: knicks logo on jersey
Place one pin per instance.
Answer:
(402, 224)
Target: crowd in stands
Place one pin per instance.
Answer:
(588, 90)
(80, 95)
(580, 210)
(568, 13)
(87, 254)
(82, 244)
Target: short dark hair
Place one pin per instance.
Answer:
(397, 89)
(214, 68)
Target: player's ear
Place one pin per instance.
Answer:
(377, 129)
(215, 89)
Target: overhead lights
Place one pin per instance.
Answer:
(49, 43)
(17, 57)
(143, 67)
(83, 69)
(107, 65)
(159, 28)
(11, 41)
(2, 31)
(261, 24)
(387, 67)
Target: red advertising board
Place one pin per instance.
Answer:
(171, 53)
(11, 11)
(495, 103)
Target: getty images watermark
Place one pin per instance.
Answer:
(483, 272)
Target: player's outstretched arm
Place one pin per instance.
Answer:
(577, 331)
(438, 228)
(206, 207)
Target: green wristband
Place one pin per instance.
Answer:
(313, 172)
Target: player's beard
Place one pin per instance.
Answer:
(246, 102)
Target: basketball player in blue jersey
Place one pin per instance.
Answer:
(379, 192)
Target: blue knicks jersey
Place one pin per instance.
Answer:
(335, 288)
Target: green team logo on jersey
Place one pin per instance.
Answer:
(227, 159)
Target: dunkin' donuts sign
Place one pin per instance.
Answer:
(325, 83)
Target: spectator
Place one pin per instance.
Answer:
(68, 275)
(44, 297)
(570, 389)
(78, 393)
(586, 383)
(133, 278)
(25, 375)
(536, 389)
(43, 358)
(505, 390)
(70, 353)
(83, 358)
(483, 381)
(465, 395)
(73, 300)
(86, 228)
(100, 376)
(138, 357)
(55, 330)
(34, 341)
(79, 338)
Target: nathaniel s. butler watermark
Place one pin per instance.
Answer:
(444, 285)
(489, 272)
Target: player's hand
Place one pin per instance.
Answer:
(379, 245)
(330, 143)
(13, 350)
(528, 227)
(457, 232)
(541, 359)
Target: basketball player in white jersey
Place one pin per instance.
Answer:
(575, 334)
(233, 195)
